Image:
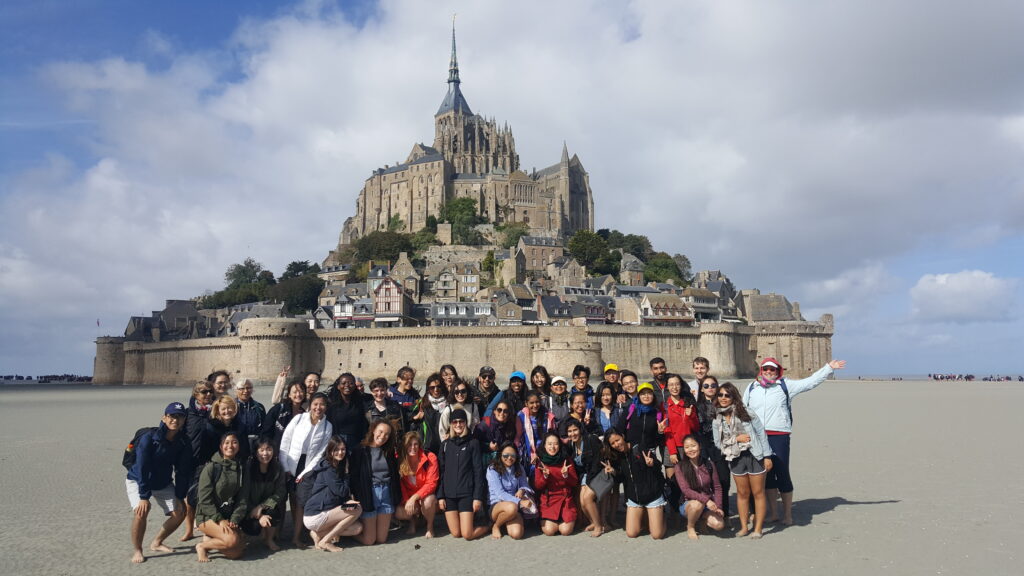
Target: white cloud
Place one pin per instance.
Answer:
(963, 297)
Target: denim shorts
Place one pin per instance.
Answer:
(657, 503)
(381, 501)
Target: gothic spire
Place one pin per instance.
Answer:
(454, 100)
(565, 153)
(453, 66)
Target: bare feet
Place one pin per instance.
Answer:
(597, 531)
(755, 535)
(188, 535)
(298, 544)
(201, 553)
(496, 533)
(788, 520)
(328, 547)
(159, 547)
(429, 534)
(589, 528)
(272, 545)
(691, 533)
(138, 557)
(743, 532)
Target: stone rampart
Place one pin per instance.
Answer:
(265, 345)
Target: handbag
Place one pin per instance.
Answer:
(601, 484)
(529, 511)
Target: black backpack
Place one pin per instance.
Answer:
(128, 459)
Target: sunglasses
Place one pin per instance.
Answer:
(706, 386)
(724, 395)
(461, 391)
(558, 383)
(205, 392)
(508, 456)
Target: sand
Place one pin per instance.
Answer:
(891, 477)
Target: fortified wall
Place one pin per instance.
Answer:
(265, 345)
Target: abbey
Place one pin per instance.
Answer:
(473, 157)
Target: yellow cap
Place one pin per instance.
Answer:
(608, 367)
(645, 386)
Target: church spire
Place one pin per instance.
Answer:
(453, 66)
(454, 100)
(565, 153)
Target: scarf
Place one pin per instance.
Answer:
(549, 460)
(764, 382)
(642, 408)
(438, 404)
(731, 428)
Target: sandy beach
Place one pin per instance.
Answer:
(891, 477)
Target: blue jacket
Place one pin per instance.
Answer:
(503, 487)
(769, 404)
(330, 489)
(759, 447)
(251, 415)
(159, 463)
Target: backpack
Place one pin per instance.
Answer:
(785, 390)
(129, 457)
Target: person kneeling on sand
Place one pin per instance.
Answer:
(700, 487)
(162, 469)
(331, 512)
(221, 506)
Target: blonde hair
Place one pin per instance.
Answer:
(222, 401)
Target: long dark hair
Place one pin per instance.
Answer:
(434, 378)
(739, 410)
(254, 464)
(609, 453)
(499, 465)
(600, 390)
(687, 467)
(545, 388)
(334, 442)
(508, 428)
(451, 393)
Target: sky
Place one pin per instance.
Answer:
(864, 159)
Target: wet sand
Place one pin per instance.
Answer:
(891, 477)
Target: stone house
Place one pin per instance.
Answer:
(461, 313)
(704, 304)
(631, 269)
(553, 311)
(392, 305)
(539, 251)
(664, 310)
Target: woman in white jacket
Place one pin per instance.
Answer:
(302, 447)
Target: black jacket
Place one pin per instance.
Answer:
(362, 477)
(348, 419)
(461, 470)
(277, 420)
(642, 484)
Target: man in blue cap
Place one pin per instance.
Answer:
(162, 471)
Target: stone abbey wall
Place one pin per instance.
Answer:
(265, 345)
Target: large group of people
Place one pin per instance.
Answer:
(356, 461)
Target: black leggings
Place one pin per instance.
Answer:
(725, 480)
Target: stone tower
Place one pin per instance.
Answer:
(471, 143)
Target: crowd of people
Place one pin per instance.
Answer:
(356, 461)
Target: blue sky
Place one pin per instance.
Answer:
(864, 161)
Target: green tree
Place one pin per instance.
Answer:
(461, 212)
(487, 264)
(587, 247)
(382, 246)
(423, 239)
(432, 224)
(661, 267)
(299, 268)
(685, 269)
(300, 293)
(241, 274)
(512, 232)
(251, 292)
(396, 224)
(266, 277)
(608, 264)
